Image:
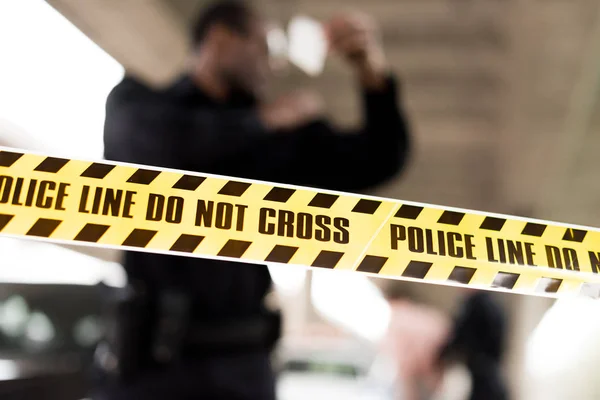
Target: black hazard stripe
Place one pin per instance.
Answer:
(187, 243)
(327, 259)
(91, 233)
(365, 206)
(492, 224)
(574, 235)
(323, 200)
(281, 254)
(451, 218)
(533, 229)
(43, 227)
(548, 285)
(139, 238)
(506, 280)
(8, 158)
(97, 170)
(279, 195)
(143, 176)
(189, 182)
(459, 274)
(234, 248)
(417, 269)
(51, 165)
(462, 275)
(372, 264)
(4, 220)
(407, 211)
(234, 188)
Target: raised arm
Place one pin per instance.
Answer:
(199, 137)
(319, 155)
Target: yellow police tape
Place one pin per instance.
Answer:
(124, 206)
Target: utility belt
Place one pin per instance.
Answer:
(144, 330)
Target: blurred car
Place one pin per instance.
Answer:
(51, 302)
(330, 368)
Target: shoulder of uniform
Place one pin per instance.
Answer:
(131, 90)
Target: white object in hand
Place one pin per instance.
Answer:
(307, 44)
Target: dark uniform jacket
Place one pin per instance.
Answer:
(182, 128)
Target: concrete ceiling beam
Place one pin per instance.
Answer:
(146, 37)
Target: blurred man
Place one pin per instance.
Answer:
(425, 343)
(197, 328)
(478, 340)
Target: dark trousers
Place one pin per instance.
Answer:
(231, 377)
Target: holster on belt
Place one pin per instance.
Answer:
(151, 329)
(120, 354)
(173, 317)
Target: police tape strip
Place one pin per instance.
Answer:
(118, 205)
